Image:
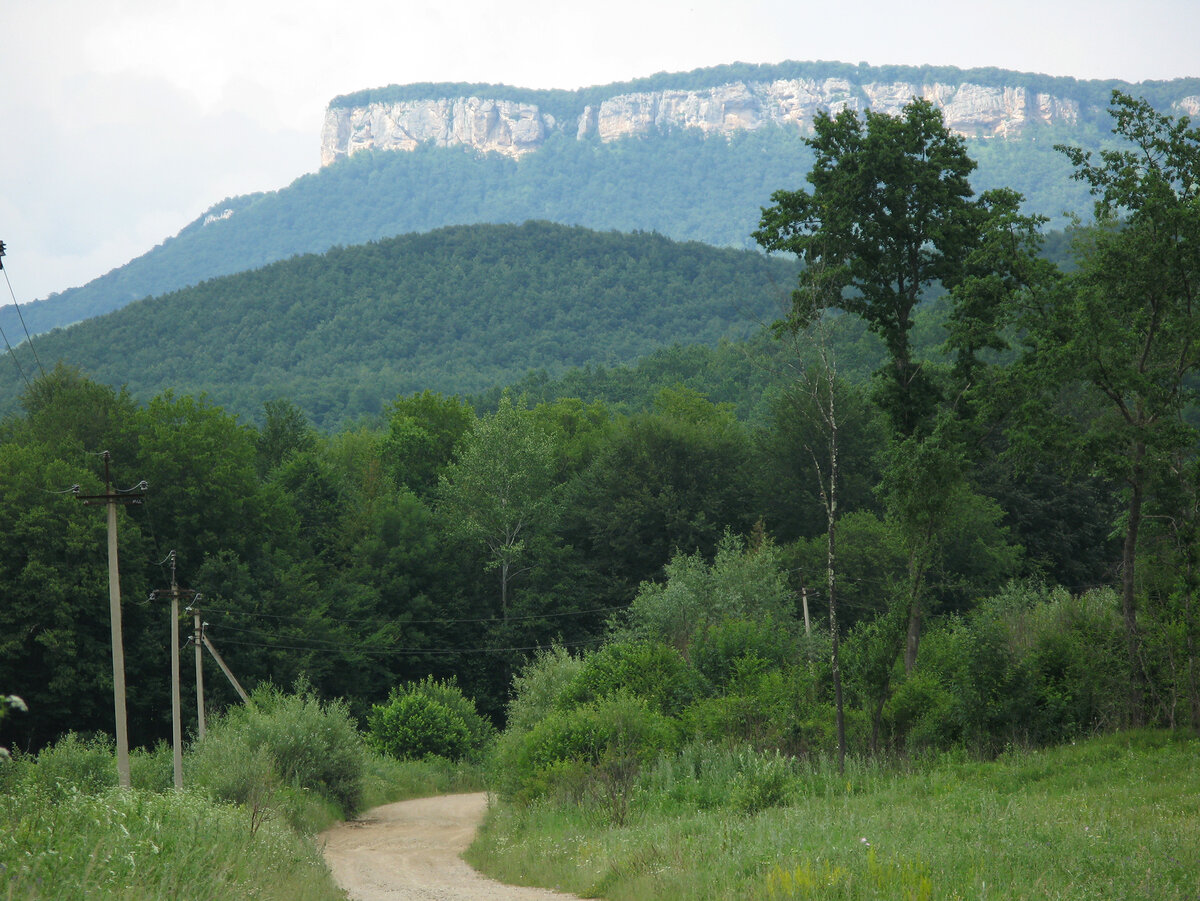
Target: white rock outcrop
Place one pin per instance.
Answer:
(514, 129)
(499, 126)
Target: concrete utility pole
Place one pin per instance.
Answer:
(198, 631)
(176, 715)
(112, 499)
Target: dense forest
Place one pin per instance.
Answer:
(456, 310)
(679, 184)
(955, 517)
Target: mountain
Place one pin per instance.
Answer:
(457, 310)
(691, 155)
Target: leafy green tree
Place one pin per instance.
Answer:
(671, 480)
(890, 215)
(500, 490)
(422, 433)
(285, 431)
(1125, 326)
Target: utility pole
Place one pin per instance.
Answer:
(112, 499)
(176, 715)
(197, 640)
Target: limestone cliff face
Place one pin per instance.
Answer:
(969, 109)
(500, 126)
(514, 129)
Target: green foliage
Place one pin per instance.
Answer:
(872, 246)
(430, 718)
(293, 741)
(74, 764)
(416, 726)
(599, 746)
(740, 583)
(655, 673)
(460, 309)
(537, 687)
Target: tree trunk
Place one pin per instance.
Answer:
(831, 587)
(1129, 586)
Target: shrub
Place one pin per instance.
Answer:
(72, 762)
(594, 749)
(649, 670)
(413, 726)
(293, 741)
(539, 686)
(740, 583)
(428, 718)
(724, 647)
(762, 781)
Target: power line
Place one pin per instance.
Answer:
(12, 294)
(426, 622)
(426, 651)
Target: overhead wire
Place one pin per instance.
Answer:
(28, 337)
(403, 650)
(423, 622)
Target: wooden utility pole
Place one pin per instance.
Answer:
(176, 715)
(112, 499)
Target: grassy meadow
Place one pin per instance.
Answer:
(1110, 817)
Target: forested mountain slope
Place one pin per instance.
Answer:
(459, 309)
(675, 181)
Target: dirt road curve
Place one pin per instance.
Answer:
(409, 851)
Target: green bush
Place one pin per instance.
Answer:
(429, 718)
(649, 670)
(604, 743)
(762, 781)
(741, 583)
(724, 647)
(413, 726)
(87, 765)
(539, 686)
(152, 770)
(285, 742)
(769, 708)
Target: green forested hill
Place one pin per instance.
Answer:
(459, 309)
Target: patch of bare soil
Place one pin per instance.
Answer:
(410, 851)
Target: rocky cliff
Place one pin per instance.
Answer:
(516, 128)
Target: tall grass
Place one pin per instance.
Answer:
(264, 780)
(1113, 817)
(144, 845)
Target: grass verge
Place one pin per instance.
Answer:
(1113, 817)
(139, 845)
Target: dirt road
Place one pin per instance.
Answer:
(409, 851)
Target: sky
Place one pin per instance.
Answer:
(123, 120)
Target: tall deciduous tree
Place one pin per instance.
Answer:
(500, 489)
(891, 214)
(1127, 324)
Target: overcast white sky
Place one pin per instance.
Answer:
(122, 120)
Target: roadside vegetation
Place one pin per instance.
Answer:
(258, 788)
(1109, 817)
